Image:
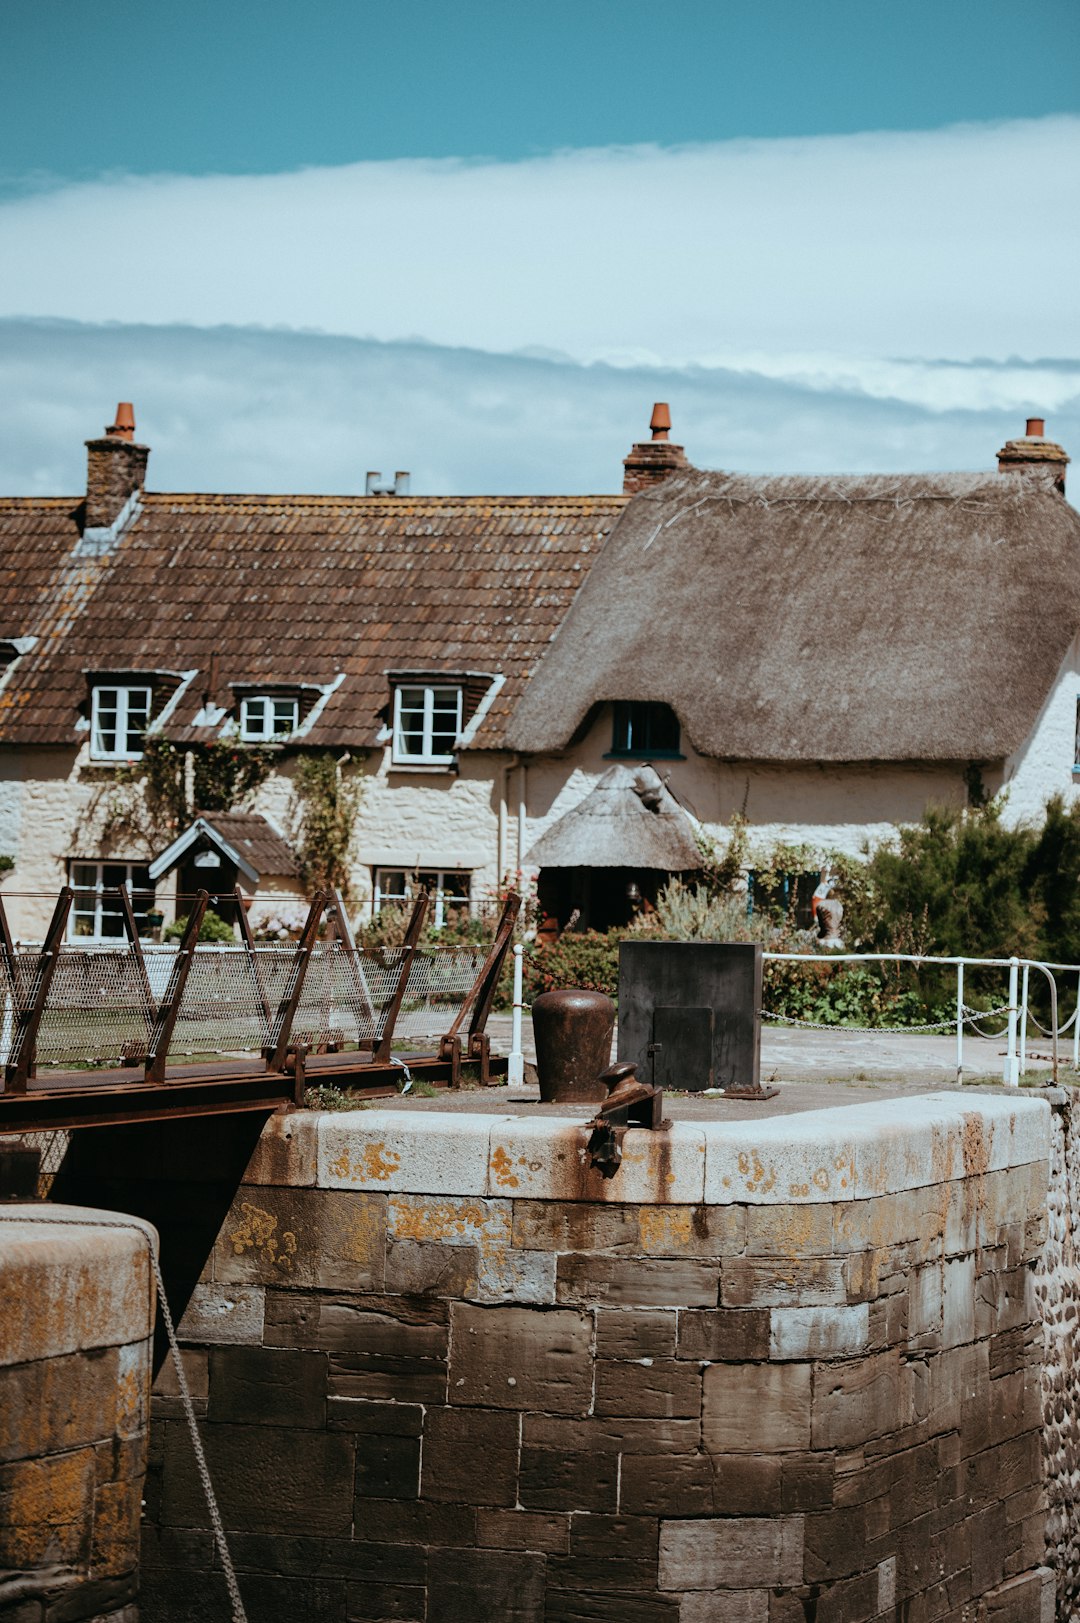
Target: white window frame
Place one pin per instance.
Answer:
(382, 897)
(426, 755)
(271, 701)
(124, 696)
(98, 938)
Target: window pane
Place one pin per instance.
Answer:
(83, 923)
(254, 718)
(138, 714)
(105, 709)
(84, 874)
(285, 713)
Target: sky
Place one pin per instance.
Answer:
(478, 241)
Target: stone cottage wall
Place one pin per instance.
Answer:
(773, 1372)
(76, 1316)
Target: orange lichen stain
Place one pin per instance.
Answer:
(798, 1189)
(664, 1229)
(975, 1146)
(257, 1233)
(845, 1165)
(820, 1178)
(377, 1163)
(752, 1169)
(365, 1233)
(503, 1168)
(447, 1220)
(128, 1402)
(342, 1166)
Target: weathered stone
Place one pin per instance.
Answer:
(782, 1282)
(623, 1333)
(66, 1289)
(166, 1399)
(46, 1514)
(266, 1478)
(614, 1535)
(724, 1334)
(733, 1553)
(757, 1408)
(806, 1481)
(397, 1348)
(612, 1434)
(853, 1402)
(267, 1386)
(636, 1282)
(659, 1388)
(471, 1454)
(432, 1270)
(523, 1530)
(498, 1271)
(521, 1358)
(406, 1523)
(818, 1332)
(568, 1606)
(286, 1152)
(434, 1153)
(58, 1403)
(544, 1160)
(560, 1225)
(223, 1315)
(628, 1572)
(388, 1467)
(383, 1419)
(557, 1479)
(376, 1603)
(791, 1231)
(469, 1584)
(303, 1237)
(727, 1606)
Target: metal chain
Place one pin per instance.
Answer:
(934, 1025)
(238, 1613)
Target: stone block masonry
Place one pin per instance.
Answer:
(76, 1317)
(777, 1372)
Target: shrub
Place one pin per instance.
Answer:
(589, 959)
(212, 928)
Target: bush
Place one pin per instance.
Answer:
(588, 959)
(212, 928)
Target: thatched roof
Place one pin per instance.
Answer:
(912, 618)
(628, 820)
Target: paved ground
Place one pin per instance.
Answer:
(812, 1070)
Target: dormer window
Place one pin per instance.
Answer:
(119, 717)
(265, 716)
(427, 723)
(644, 730)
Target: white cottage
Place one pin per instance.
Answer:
(825, 655)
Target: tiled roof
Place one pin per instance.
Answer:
(289, 589)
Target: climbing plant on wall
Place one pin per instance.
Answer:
(152, 798)
(327, 792)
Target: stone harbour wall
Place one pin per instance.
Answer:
(76, 1316)
(774, 1372)
(1058, 1290)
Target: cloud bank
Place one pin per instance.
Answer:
(240, 410)
(956, 243)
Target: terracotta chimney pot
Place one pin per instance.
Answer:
(660, 422)
(1036, 427)
(124, 426)
(653, 461)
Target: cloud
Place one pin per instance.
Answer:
(232, 410)
(836, 251)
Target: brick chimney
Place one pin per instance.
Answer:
(1034, 453)
(656, 460)
(115, 470)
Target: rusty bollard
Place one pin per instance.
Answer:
(573, 1031)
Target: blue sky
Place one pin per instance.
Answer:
(479, 240)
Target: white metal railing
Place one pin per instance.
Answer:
(1017, 1007)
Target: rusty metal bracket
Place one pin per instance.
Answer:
(251, 958)
(629, 1104)
(157, 1050)
(21, 1067)
(480, 997)
(128, 914)
(352, 958)
(277, 1047)
(381, 1051)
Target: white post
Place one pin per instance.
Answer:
(515, 1065)
(1012, 1063)
(959, 1023)
(1076, 1033)
(1024, 1021)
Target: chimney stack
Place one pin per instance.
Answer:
(1034, 454)
(115, 470)
(655, 460)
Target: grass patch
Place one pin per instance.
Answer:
(327, 1097)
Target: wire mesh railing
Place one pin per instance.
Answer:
(101, 1003)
